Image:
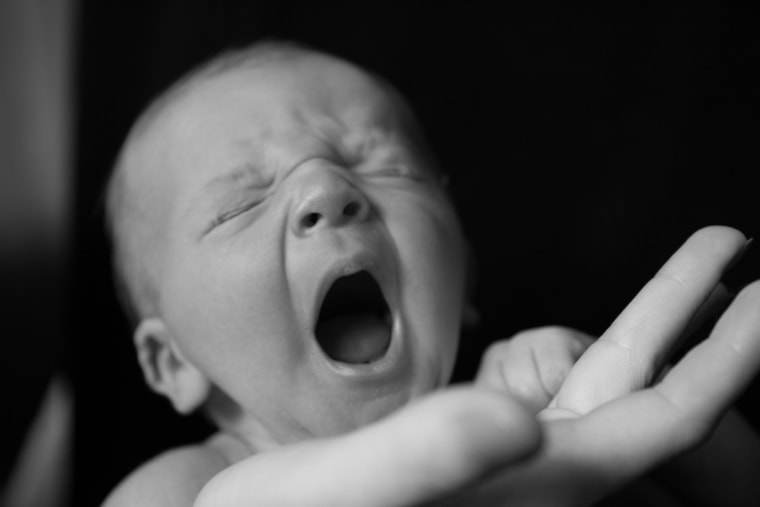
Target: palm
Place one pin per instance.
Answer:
(609, 407)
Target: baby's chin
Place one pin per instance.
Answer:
(355, 396)
(345, 415)
(325, 424)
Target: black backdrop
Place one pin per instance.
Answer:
(584, 143)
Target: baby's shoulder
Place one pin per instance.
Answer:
(172, 478)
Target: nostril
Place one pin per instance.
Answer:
(351, 209)
(310, 220)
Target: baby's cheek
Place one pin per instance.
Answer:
(437, 288)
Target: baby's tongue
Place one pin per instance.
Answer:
(354, 338)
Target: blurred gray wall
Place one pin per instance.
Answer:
(36, 136)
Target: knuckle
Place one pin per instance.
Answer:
(544, 334)
(497, 350)
(564, 338)
(559, 333)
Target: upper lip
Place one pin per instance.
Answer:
(345, 267)
(380, 264)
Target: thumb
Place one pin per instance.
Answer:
(428, 450)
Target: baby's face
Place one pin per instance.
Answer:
(311, 264)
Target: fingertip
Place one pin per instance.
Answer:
(750, 291)
(711, 375)
(489, 427)
(746, 323)
(743, 315)
(720, 234)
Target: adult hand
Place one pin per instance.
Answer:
(428, 450)
(608, 424)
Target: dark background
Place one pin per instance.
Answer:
(584, 143)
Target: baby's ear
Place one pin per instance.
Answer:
(167, 371)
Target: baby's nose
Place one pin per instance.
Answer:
(326, 199)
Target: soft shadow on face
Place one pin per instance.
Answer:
(271, 184)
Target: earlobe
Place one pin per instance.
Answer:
(166, 369)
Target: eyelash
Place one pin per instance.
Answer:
(229, 215)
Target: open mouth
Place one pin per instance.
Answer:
(354, 324)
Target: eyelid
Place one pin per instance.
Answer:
(394, 170)
(229, 214)
(391, 161)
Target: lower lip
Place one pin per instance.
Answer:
(390, 364)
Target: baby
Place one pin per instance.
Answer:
(296, 272)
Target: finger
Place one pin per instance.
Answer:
(715, 304)
(700, 325)
(533, 364)
(638, 431)
(633, 349)
(510, 367)
(708, 379)
(429, 449)
(561, 348)
(663, 308)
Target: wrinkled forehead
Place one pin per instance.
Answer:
(312, 92)
(271, 110)
(278, 101)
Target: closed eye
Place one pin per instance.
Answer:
(227, 215)
(392, 162)
(395, 171)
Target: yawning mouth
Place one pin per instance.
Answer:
(354, 323)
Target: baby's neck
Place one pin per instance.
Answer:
(231, 447)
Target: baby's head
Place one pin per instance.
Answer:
(294, 265)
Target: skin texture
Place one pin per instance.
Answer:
(261, 187)
(266, 185)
